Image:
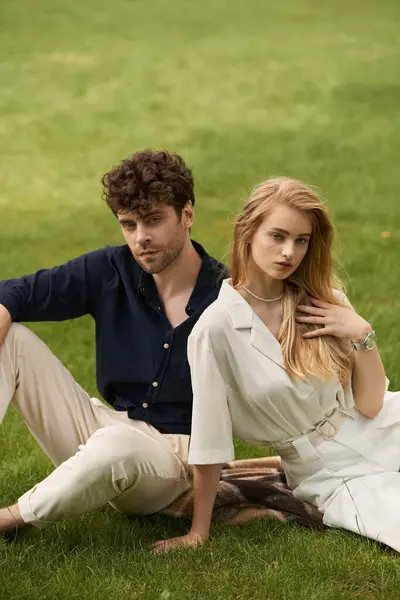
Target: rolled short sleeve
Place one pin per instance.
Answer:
(64, 292)
(211, 440)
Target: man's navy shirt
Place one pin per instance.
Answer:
(141, 361)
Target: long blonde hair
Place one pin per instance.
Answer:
(325, 357)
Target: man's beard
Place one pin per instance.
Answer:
(163, 259)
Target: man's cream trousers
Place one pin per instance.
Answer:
(100, 454)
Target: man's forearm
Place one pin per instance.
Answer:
(5, 323)
(205, 485)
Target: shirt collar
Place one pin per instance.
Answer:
(244, 317)
(210, 277)
(239, 310)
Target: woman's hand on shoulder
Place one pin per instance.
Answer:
(190, 540)
(340, 321)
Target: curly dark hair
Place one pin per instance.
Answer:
(147, 178)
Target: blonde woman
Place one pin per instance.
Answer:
(281, 358)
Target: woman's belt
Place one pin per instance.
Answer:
(324, 430)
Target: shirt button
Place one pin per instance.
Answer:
(166, 346)
(145, 405)
(155, 384)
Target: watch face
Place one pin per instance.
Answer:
(370, 342)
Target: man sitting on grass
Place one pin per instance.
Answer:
(145, 298)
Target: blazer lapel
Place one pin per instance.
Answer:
(262, 339)
(244, 317)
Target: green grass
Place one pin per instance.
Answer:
(243, 90)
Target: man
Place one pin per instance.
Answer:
(145, 298)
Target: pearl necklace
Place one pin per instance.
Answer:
(262, 299)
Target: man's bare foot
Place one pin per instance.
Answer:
(10, 519)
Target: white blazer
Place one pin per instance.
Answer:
(241, 386)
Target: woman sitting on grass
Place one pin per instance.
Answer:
(281, 358)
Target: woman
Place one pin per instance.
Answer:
(282, 358)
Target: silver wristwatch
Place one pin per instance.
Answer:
(368, 344)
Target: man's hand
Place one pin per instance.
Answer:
(5, 323)
(190, 540)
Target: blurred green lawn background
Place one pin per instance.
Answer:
(243, 90)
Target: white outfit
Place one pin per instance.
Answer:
(241, 387)
(101, 454)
